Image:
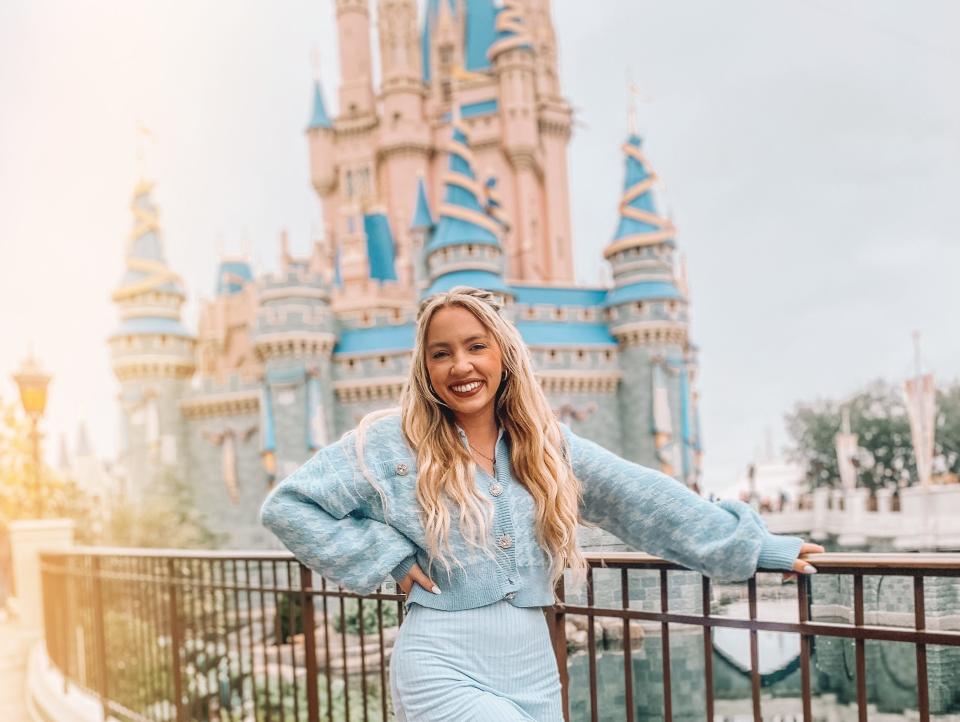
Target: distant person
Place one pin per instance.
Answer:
(470, 495)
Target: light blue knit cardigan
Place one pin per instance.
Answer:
(332, 519)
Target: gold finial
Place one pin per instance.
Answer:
(315, 62)
(144, 135)
(634, 94)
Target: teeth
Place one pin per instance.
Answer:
(466, 387)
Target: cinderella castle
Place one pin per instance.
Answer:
(452, 172)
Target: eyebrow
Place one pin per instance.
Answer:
(466, 340)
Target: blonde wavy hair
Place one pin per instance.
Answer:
(445, 469)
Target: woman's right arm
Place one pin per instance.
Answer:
(316, 513)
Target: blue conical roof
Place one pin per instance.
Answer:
(463, 220)
(146, 266)
(422, 218)
(319, 119)
(147, 274)
(232, 276)
(511, 30)
(638, 213)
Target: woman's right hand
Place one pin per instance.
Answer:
(416, 575)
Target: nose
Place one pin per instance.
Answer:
(461, 365)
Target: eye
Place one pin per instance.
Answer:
(438, 354)
(476, 346)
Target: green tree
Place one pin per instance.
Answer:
(20, 486)
(878, 416)
(167, 518)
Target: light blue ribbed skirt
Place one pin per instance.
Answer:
(490, 664)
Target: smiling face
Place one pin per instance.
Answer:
(463, 361)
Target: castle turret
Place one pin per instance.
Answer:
(464, 247)
(323, 173)
(513, 63)
(555, 121)
(294, 340)
(152, 354)
(224, 346)
(649, 318)
(356, 77)
(405, 141)
(399, 51)
(420, 229)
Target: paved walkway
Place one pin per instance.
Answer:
(15, 644)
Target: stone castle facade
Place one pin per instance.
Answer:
(453, 171)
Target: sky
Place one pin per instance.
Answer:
(810, 153)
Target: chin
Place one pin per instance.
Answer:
(472, 406)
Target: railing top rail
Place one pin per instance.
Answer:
(237, 554)
(887, 562)
(907, 561)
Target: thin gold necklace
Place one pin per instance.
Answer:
(473, 448)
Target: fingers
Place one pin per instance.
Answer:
(416, 575)
(802, 566)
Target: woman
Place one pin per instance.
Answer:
(470, 498)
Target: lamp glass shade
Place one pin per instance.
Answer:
(32, 383)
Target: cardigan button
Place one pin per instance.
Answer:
(496, 488)
(504, 541)
(510, 595)
(401, 469)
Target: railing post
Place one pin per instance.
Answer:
(309, 642)
(176, 640)
(99, 637)
(557, 620)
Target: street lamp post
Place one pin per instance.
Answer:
(33, 382)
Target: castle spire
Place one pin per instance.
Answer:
(146, 266)
(356, 78)
(150, 347)
(320, 137)
(399, 56)
(650, 316)
(464, 248)
(319, 117)
(641, 230)
(422, 218)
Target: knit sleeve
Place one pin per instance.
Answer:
(318, 514)
(654, 513)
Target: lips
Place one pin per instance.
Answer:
(466, 388)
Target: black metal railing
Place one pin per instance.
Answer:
(172, 635)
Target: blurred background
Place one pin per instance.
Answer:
(726, 231)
